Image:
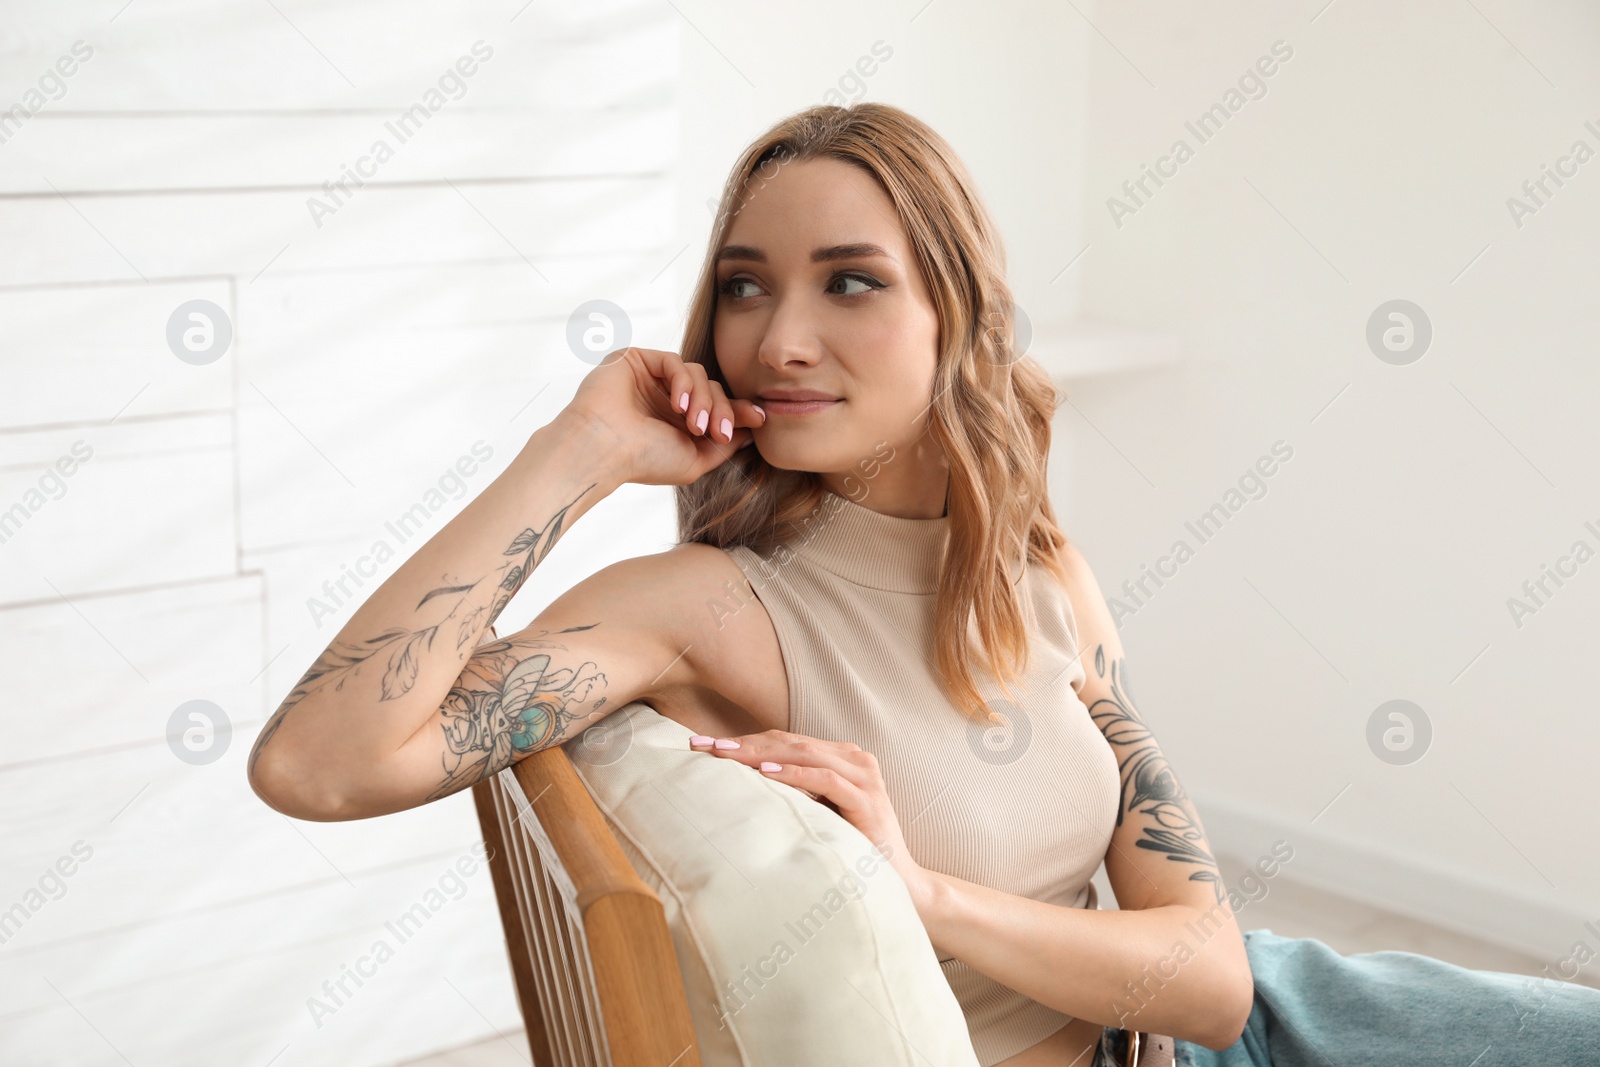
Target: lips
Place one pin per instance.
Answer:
(798, 394)
(783, 406)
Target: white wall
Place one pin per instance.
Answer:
(422, 322)
(1419, 497)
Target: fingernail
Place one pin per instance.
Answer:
(727, 428)
(723, 742)
(769, 766)
(683, 402)
(701, 739)
(761, 409)
(700, 423)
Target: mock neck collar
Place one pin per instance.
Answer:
(875, 550)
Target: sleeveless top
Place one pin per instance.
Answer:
(1026, 807)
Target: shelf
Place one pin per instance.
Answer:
(1092, 348)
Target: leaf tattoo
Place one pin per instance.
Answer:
(1149, 785)
(405, 649)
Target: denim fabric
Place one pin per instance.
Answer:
(1316, 1008)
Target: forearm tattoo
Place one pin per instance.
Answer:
(511, 701)
(1149, 785)
(401, 650)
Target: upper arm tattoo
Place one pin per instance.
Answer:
(1149, 785)
(510, 701)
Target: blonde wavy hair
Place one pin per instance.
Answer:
(991, 409)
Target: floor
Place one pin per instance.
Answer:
(1293, 909)
(1289, 908)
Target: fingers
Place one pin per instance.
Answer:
(701, 401)
(696, 400)
(796, 752)
(748, 413)
(827, 775)
(685, 383)
(712, 413)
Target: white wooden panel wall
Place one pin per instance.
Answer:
(421, 322)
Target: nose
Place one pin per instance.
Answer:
(790, 340)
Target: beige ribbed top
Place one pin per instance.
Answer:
(1028, 809)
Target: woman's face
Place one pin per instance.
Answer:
(818, 290)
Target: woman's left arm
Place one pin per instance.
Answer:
(1170, 961)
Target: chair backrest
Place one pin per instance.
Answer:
(591, 953)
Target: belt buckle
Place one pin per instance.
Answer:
(1130, 1055)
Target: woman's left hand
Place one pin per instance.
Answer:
(839, 774)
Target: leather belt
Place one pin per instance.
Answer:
(1147, 1050)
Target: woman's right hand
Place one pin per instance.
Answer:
(636, 394)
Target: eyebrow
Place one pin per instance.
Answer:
(860, 250)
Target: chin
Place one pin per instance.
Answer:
(796, 456)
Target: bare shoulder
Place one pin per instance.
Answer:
(1095, 628)
(731, 637)
(690, 611)
(644, 598)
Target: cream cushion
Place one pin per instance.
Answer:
(798, 943)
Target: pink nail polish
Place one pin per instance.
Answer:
(683, 402)
(769, 766)
(701, 739)
(700, 423)
(726, 426)
(726, 743)
(761, 409)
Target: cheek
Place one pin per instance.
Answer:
(899, 359)
(734, 351)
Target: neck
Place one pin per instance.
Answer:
(913, 484)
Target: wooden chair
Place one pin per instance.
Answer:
(592, 957)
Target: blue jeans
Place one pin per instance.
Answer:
(1316, 1008)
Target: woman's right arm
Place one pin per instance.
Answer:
(408, 703)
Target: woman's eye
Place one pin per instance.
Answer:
(861, 278)
(726, 287)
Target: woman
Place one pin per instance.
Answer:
(860, 461)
